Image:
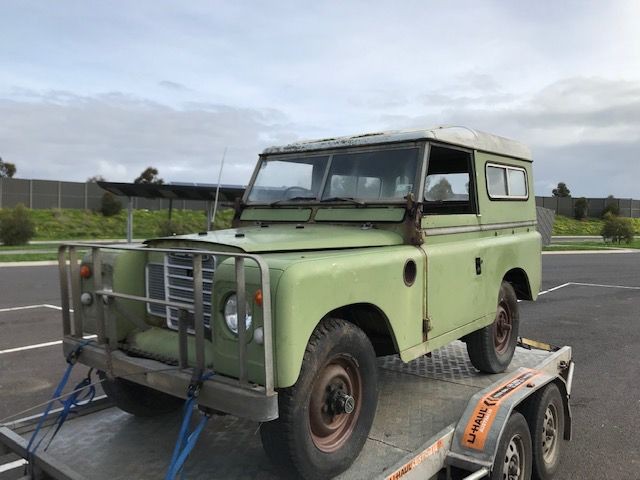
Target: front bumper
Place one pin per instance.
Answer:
(218, 393)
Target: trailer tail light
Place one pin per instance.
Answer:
(85, 271)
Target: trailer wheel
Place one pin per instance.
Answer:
(137, 399)
(545, 414)
(324, 419)
(491, 348)
(514, 457)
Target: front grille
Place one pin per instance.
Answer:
(173, 281)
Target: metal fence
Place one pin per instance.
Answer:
(44, 194)
(566, 205)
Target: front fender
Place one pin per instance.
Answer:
(312, 288)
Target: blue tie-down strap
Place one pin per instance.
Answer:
(186, 441)
(82, 393)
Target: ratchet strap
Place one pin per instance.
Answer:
(82, 394)
(187, 440)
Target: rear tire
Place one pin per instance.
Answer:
(491, 348)
(514, 456)
(137, 399)
(326, 416)
(545, 414)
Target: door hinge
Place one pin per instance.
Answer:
(426, 328)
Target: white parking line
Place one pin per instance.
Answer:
(604, 286)
(31, 347)
(11, 465)
(580, 284)
(38, 345)
(554, 288)
(30, 307)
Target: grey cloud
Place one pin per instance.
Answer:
(59, 135)
(584, 131)
(173, 86)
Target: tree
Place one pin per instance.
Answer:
(580, 208)
(611, 207)
(616, 229)
(561, 190)
(440, 191)
(149, 175)
(96, 179)
(7, 169)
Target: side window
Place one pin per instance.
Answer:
(505, 182)
(449, 187)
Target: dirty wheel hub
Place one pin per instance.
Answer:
(503, 325)
(335, 403)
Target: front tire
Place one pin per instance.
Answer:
(326, 416)
(546, 423)
(491, 348)
(514, 456)
(137, 399)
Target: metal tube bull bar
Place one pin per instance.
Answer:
(73, 326)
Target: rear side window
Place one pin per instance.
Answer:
(505, 182)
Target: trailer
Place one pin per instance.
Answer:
(437, 418)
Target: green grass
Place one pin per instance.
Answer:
(59, 224)
(40, 246)
(28, 257)
(589, 226)
(635, 244)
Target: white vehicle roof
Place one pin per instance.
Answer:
(454, 135)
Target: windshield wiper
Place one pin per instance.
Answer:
(342, 199)
(292, 199)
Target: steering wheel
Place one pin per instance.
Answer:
(288, 192)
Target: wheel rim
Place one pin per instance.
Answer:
(550, 434)
(503, 327)
(514, 466)
(335, 404)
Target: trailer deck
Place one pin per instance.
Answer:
(419, 406)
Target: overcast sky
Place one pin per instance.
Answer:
(108, 88)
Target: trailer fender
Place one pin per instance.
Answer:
(478, 433)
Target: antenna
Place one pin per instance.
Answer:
(215, 204)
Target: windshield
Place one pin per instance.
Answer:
(367, 176)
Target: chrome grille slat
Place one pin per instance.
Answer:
(156, 288)
(173, 281)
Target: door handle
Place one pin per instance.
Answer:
(478, 265)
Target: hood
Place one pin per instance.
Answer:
(291, 237)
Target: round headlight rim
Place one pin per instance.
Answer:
(249, 315)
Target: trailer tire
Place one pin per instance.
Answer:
(137, 399)
(491, 348)
(324, 419)
(514, 457)
(545, 415)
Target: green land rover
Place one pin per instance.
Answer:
(342, 250)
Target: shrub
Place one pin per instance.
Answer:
(16, 226)
(110, 205)
(611, 207)
(172, 227)
(616, 229)
(580, 208)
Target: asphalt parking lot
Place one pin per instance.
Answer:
(592, 302)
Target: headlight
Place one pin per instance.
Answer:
(231, 314)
